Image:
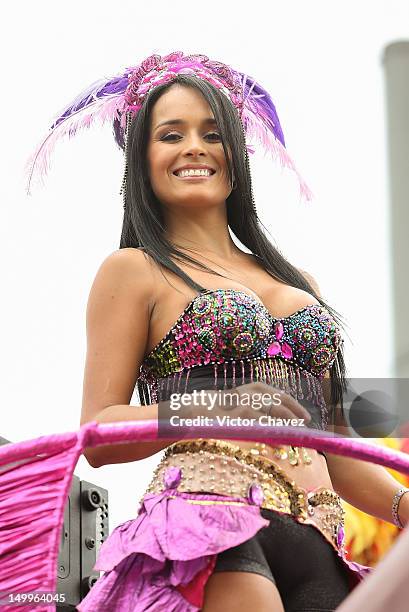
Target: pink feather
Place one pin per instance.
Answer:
(257, 133)
(102, 109)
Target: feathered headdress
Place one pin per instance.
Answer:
(117, 98)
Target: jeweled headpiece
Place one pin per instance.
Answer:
(119, 98)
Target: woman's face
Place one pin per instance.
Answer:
(184, 136)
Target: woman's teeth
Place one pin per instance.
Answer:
(191, 172)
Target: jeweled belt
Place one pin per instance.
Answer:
(223, 468)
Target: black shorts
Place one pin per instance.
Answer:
(305, 568)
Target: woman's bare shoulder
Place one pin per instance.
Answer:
(129, 258)
(129, 254)
(130, 267)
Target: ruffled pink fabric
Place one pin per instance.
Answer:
(162, 559)
(358, 571)
(169, 543)
(33, 494)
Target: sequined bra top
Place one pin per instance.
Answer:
(229, 338)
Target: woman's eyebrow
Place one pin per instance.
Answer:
(182, 122)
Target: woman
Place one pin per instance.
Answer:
(224, 524)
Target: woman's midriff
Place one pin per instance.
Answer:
(309, 476)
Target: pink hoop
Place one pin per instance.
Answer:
(30, 532)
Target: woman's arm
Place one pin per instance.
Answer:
(118, 312)
(365, 485)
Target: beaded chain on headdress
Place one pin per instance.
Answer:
(126, 131)
(119, 98)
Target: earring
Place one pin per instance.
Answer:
(233, 184)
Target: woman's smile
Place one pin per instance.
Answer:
(194, 175)
(194, 172)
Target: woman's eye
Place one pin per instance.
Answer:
(172, 136)
(169, 136)
(216, 134)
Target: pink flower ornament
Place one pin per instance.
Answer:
(277, 347)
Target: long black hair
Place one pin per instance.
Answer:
(144, 227)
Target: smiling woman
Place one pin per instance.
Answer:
(224, 524)
(187, 183)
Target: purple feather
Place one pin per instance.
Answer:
(101, 101)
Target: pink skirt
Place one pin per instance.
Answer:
(162, 559)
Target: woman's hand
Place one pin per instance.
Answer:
(246, 401)
(253, 399)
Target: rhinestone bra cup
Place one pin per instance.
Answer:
(235, 333)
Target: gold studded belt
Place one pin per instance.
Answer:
(224, 468)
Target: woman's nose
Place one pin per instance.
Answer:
(194, 145)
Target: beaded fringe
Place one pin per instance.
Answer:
(272, 372)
